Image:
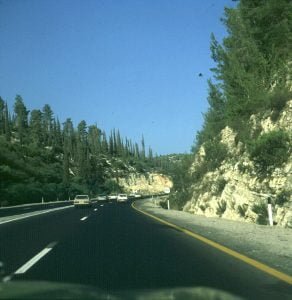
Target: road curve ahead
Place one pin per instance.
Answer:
(115, 248)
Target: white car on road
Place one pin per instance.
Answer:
(81, 201)
(112, 197)
(101, 198)
(122, 198)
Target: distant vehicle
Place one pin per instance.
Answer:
(122, 198)
(166, 190)
(81, 201)
(138, 196)
(132, 195)
(112, 197)
(101, 198)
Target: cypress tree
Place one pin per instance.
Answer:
(2, 116)
(47, 124)
(21, 115)
(7, 123)
(36, 133)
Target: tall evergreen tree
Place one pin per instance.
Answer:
(47, 124)
(119, 144)
(104, 144)
(57, 142)
(68, 137)
(21, 118)
(82, 149)
(111, 144)
(143, 154)
(2, 116)
(94, 139)
(68, 140)
(36, 132)
(7, 123)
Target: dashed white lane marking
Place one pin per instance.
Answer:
(95, 209)
(35, 259)
(84, 218)
(101, 205)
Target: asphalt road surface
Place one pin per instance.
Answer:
(115, 248)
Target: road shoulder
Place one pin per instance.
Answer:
(269, 245)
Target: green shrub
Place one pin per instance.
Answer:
(221, 208)
(216, 152)
(277, 101)
(220, 185)
(261, 210)
(244, 168)
(282, 198)
(178, 200)
(241, 209)
(200, 171)
(163, 204)
(269, 151)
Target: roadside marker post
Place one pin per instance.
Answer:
(168, 206)
(270, 213)
(42, 199)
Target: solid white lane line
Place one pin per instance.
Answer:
(35, 259)
(24, 216)
(84, 218)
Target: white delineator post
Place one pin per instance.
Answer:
(270, 213)
(42, 199)
(168, 206)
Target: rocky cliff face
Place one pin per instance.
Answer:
(150, 183)
(234, 191)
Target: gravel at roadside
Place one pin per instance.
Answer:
(269, 245)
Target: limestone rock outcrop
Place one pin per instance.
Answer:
(234, 191)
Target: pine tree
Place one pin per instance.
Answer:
(143, 154)
(2, 116)
(21, 121)
(36, 132)
(104, 144)
(47, 124)
(94, 139)
(68, 137)
(111, 144)
(150, 154)
(7, 123)
(82, 149)
(137, 151)
(57, 142)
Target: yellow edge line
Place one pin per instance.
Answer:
(271, 271)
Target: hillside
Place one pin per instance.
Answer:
(242, 154)
(40, 158)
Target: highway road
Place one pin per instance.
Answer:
(113, 247)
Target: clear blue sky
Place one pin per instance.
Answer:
(132, 65)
